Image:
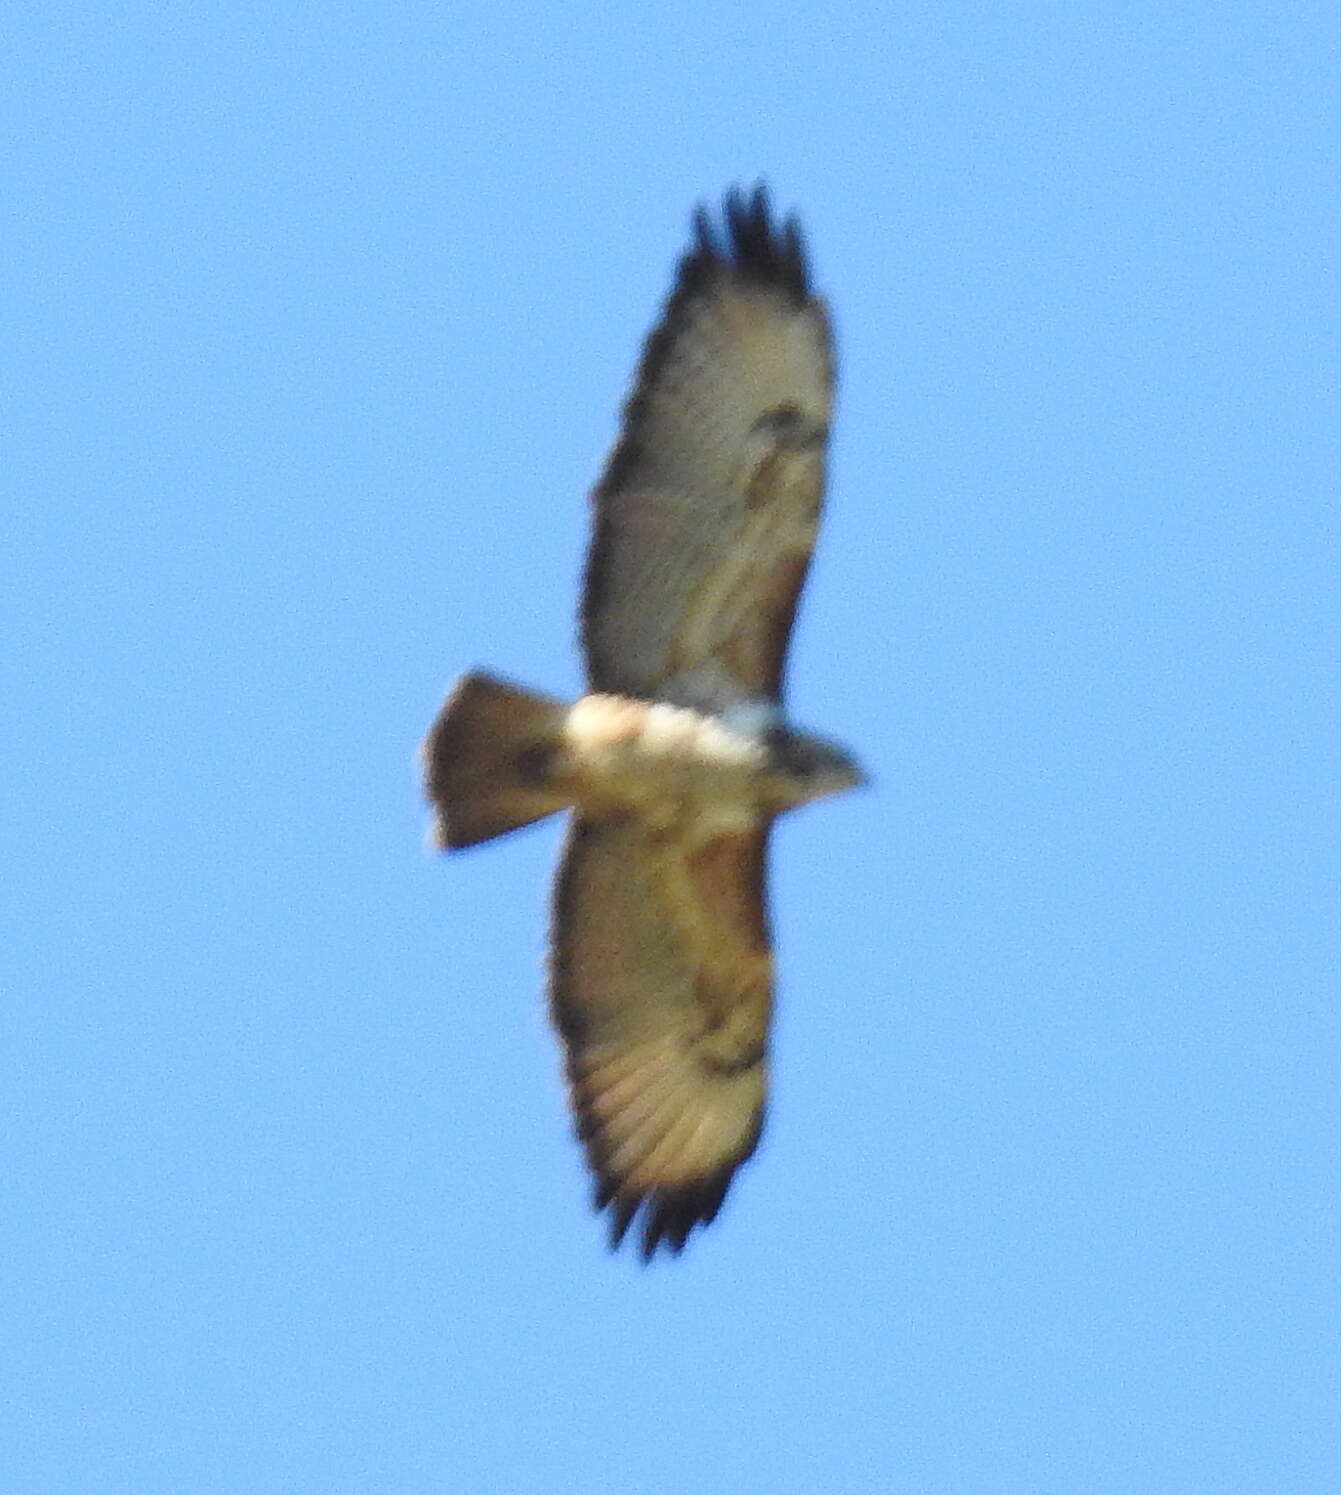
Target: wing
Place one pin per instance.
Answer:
(661, 988)
(705, 517)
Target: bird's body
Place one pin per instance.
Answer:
(678, 767)
(679, 757)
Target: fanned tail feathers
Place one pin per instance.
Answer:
(486, 760)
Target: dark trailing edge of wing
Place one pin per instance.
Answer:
(748, 244)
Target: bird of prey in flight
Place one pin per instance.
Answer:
(679, 756)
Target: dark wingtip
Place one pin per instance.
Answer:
(622, 1212)
(668, 1218)
(751, 243)
(672, 1218)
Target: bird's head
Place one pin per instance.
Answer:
(809, 767)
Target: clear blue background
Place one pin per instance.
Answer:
(319, 322)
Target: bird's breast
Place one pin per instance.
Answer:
(662, 761)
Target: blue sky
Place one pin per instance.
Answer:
(320, 320)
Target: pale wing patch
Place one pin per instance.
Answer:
(661, 1129)
(662, 993)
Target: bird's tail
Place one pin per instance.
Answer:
(486, 760)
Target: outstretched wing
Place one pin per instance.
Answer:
(661, 988)
(706, 515)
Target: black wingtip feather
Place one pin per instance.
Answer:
(750, 244)
(621, 1217)
(668, 1216)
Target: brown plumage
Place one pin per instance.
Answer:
(678, 759)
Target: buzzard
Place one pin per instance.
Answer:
(679, 757)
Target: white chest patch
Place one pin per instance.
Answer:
(675, 732)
